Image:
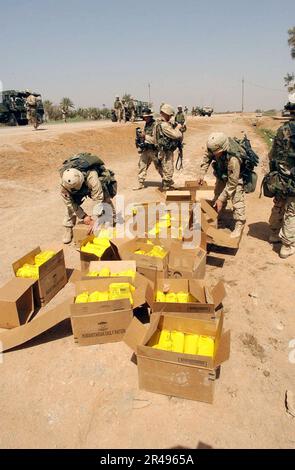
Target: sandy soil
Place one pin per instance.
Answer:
(56, 394)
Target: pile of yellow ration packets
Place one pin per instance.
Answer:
(116, 291)
(32, 270)
(179, 342)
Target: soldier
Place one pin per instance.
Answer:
(131, 109)
(83, 176)
(282, 159)
(31, 105)
(119, 109)
(185, 110)
(168, 136)
(147, 150)
(225, 154)
(193, 111)
(180, 118)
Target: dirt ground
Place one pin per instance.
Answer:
(55, 394)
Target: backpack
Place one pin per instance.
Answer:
(249, 161)
(275, 184)
(163, 142)
(86, 162)
(32, 101)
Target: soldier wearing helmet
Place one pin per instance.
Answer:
(119, 109)
(147, 149)
(167, 137)
(282, 160)
(225, 154)
(82, 177)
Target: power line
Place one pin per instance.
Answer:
(264, 87)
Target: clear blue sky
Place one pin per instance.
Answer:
(191, 51)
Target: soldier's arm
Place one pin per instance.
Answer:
(97, 195)
(234, 168)
(278, 146)
(206, 162)
(70, 203)
(168, 130)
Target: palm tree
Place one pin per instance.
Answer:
(65, 105)
(291, 41)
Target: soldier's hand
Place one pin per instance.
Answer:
(218, 205)
(87, 220)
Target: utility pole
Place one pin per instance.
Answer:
(243, 90)
(149, 87)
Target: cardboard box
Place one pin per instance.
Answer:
(216, 236)
(148, 266)
(80, 232)
(52, 274)
(104, 322)
(208, 298)
(177, 374)
(186, 263)
(110, 254)
(43, 321)
(16, 302)
(179, 196)
(114, 267)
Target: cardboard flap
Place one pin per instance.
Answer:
(135, 334)
(42, 322)
(223, 351)
(222, 237)
(211, 213)
(15, 288)
(218, 293)
(197, 290)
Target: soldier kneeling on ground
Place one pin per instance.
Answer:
(226, 156)
(85, 175)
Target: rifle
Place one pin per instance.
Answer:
(139, 139)
(179, 161)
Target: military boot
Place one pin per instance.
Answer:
(68, 235)
(238, 229)
(286, 251)
(274, 238)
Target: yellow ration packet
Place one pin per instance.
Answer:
(182, 297)
(82, 298)
(30, 271)
(191, 344)
(160, 296)
(206, 346)
(165, 342)
(43, 256)
(177, 338)
(171, 297)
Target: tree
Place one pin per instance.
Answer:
(126, 97)
(289, 81)
(48, 109)
(291, 41)
(65, 105)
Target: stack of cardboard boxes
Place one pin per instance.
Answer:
(166, 280)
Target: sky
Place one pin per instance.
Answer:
(192, 52)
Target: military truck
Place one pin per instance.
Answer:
(13, 110)
(204, 111)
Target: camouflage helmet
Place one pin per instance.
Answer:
(117, 96)
(72, 179)
(167, 109)
(179, 106)
(217, 141)
(147, 112)
(290, 106)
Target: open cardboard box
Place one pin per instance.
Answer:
(113, 266)
(179, 196)
(186, 263)
(178, 374)
(80, 232)
(110, 254)
(52, 274)
(104, 322)
(208, 298)
(16, 302)
(216, 236)
(148, 266)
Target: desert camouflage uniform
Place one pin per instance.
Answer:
(282, 218)
(150, 154)
(131, 109)
(31, 104)
(229, 183)
(119, 110)
(166, 157)
(74, 210)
